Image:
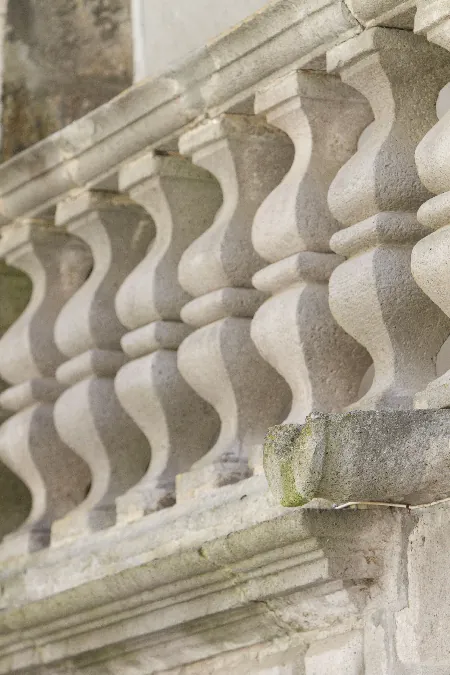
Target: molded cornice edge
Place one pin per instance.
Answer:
(191, 589)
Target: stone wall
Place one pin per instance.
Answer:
(62, 59)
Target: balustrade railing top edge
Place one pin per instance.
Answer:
(281, 37)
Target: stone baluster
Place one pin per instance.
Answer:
(88, 415)
(57, 479)
(219, 359)
(375, 196)
(430, 257)
(180, 426)
(294, 330)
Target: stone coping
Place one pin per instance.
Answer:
(283, 36)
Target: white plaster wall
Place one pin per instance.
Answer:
(166, 31)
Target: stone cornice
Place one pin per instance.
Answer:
(223, 576)
(284, 35)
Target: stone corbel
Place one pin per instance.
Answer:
(361, 456)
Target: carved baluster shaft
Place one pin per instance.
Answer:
(57, 479)
(182, 200)
(375, 196)
(294, 330)
(88, 415)
(219, 359)
(430, 257)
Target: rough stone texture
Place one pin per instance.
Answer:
(182, 200)
(57, 265)
(375, 196)
(288, 34)
(393, 13)
(233, 583)
(294, 329)
(61, 60)
(219, 359)
(399, 456)
(422, 626)
(429, 261)
(88, 415)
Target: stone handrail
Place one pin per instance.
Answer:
(232, 241)
(284, 36)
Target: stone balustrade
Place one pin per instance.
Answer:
(234, 245)
(252, 276)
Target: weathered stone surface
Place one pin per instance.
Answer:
(429, 260)
(294, 329)
(375, 196)
(57, 265)
(88, 414)
(62, 59)
(218, 576)
(393, 13)
(182, 200)
(340, 655)
(219, 360)
(400, 456)
(422, 627)
(286, 34)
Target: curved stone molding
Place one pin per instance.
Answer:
(88, 415)
(57, 479)
(294, 330)
(219, 359)
(182, 199)
(429, 261)
(375, 196)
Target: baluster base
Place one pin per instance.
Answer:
(435, 395)
(201, 482)
(76, 525)
(140, 502)
(23, 542)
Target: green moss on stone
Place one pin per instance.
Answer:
(290, 495)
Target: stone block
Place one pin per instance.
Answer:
(398, 456)
(340, 655)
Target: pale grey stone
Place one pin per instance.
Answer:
(422, 626)
(398, 456)
(393, 13)
(219, 359)
(30, 447)
(182, 200)
(324, 119)
(88, 415)
(375, 196)
(341, 655)
(287, 34)
(429, 260)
